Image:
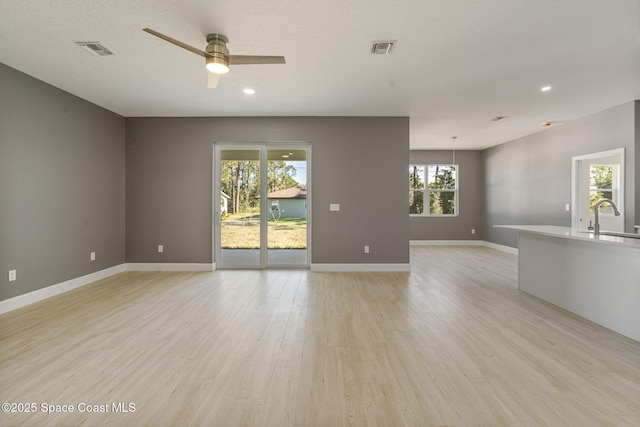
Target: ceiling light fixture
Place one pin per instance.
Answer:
(248, 91)
(218, 65)
(546, 88)
(546, 124)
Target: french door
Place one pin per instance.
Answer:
(262, 205)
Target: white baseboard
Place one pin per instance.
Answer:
(503, 248)
(171, 266)
(361, 267)
(446, 243)
(53, 290)
(491, 245)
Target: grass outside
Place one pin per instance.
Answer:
(243, 232)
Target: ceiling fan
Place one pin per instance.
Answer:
(217, 55)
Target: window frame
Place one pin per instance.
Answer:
(427, 191)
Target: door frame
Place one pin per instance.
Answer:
(576, 190)
(263, 147)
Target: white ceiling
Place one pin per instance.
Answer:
(456, 64)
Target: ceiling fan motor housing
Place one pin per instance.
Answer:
(217, 45)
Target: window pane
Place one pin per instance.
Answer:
(601, 176)
(416, 176)
(416, 202)
(442, 202)
(603, 185)
(442, 177)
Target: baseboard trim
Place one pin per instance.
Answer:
(53, 290)
(502, 248)
(446, 243)
(360, 267)
(171, 266)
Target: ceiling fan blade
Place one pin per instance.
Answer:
(212, 83)
(254, 59)
(177, 43)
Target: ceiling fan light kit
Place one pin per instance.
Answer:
(218, 65)
(217, 56)
(218, 62)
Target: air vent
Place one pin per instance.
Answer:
(95, 48)
(382, 47)
(498, 118)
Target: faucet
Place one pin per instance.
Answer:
(596, 209)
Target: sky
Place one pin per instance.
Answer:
(301, 171)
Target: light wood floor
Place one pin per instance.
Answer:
(451, 343)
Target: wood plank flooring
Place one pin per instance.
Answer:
(453, 343)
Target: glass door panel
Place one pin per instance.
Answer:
(287, 207)
(239, 218)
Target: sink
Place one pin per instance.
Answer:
(619, 234)
(612, 233)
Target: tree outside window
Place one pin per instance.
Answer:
(601, 186)
(416, 189)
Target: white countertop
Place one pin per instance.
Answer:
(574, 233)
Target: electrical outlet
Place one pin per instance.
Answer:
(92, 256)
(567, 207)
(160, 248)
(473, 231)
(12, 275)
(366, 249)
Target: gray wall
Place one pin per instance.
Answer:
(528, 181)
(358, 162)
(470, 205)
(62, 185)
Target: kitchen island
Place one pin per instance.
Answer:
(596, 277)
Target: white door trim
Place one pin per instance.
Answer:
(575, 182)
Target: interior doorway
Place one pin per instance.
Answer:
(597, 176)
(262, 205)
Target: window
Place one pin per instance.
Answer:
(438, 184)
(603, 181)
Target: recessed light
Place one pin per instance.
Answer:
(249, 91)
(546, 88)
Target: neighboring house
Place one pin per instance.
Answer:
(224, 202)
(288, 203)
